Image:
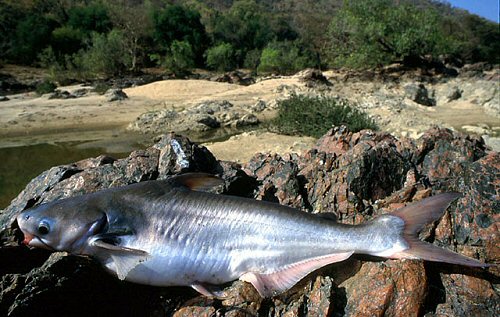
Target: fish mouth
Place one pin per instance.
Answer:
(34, 241)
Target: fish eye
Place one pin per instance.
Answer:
(43, 227)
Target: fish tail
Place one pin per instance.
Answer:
(416, 216)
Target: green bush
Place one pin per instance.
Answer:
(181, 24)
(66, 40)
(90, 18)
(180, 58)
(285, 58)
(101, 88)
(367, 33)
(31, 36)
(45, 87)
(314, 116)
(106, 56)
(221, 57)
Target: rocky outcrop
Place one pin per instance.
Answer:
(115, 95)
(350, 176)
(234, 77)
(201, 118)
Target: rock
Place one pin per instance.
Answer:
(115, 95)
(60, 94)
(419, 94)
(235, 77)
(453, 93)
(312, 78)
(10, 85)
(204, 117)
(4, 98)
(348, 176)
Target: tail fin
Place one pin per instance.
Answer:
(415, 217)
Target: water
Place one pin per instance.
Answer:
(19, 165)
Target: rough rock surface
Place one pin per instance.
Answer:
(350, 176)
(203, 117)
(115, 95)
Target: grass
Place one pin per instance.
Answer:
(314, 116)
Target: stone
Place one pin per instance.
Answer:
(115, 95)
(203, 117)
(350, 177)
(4, 98)
(61, 94)
(419, 94)
(453, 93)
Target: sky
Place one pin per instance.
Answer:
(485, 8)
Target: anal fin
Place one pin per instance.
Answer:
(272, 284)
(208, 290)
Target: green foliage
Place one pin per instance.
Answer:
(180, 58)
(106, 56)
(314, 116)
(252, 59)
(285, 58)
(476, 39)
(221, 57)
(362, 33)
(31, 36)
(45, 87)
(244, 26)
(368, 33)
(177, 23)
(101, 88)
(66, 40)
(90, 18)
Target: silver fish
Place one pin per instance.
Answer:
(170, 232)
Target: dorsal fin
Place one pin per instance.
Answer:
(196, 181)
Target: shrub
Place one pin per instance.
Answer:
(106, 56)
(368, 33)
(221, 57)
(252, 59)
(89, 18)
(285, 58)
(314, 116)
(180, 58)
(66, 40)
(31, 36)
(45, 87)
(101, 88)
(182, 24)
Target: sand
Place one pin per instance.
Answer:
(28, 119)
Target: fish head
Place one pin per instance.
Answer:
(63, 225)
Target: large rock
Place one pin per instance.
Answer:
(201, 118)
(420, 94)
(349, 176)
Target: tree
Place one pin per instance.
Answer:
(107, 55)
(221, 57)
(90, 18)
(368, 33)
(177, 23)
(135, 21)
(245, 26)
(31, 37)
(180, 58)
(285, 57)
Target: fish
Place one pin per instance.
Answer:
(175, 232)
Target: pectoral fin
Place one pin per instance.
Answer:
(126, 263)
(125, 259)
(271, 284)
